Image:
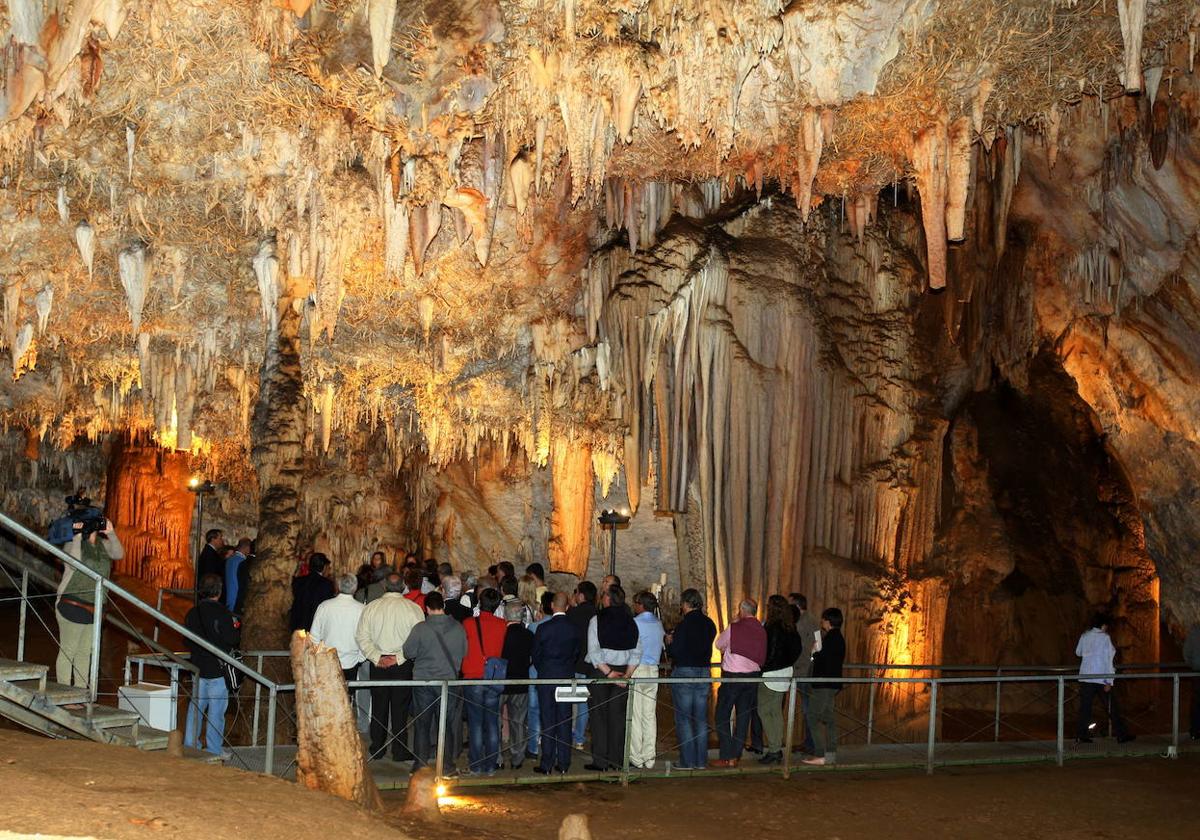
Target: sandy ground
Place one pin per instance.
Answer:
(81, 789)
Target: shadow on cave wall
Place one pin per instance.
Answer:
(1041, 528)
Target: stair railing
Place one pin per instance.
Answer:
(104, 585)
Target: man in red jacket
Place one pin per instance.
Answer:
(743, 647)
(485, 640)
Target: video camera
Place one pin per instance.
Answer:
(81, 518)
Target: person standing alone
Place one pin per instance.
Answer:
(212, 621)
(1097, 652)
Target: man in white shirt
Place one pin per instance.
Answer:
(382, 631)
(1096, 650)
(336, 622)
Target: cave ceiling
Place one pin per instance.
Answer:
(426, 181)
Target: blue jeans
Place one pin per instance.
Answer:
(535, 717)
(483, 728)
(691, 717)
(581, 718)
(210, 697)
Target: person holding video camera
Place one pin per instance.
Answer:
(94, 544)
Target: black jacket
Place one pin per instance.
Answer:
(827, 662)
(557, 645)
(580, 616)
(783, 648)
(213, 622)
(518, 645)
(308, 592)
(692, 641)
(210, 563)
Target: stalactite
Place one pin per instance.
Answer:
(43, 304)
(423, 227)
(930, 155)
(1009, 164)
(327, 416)
(1132, 14)
(131, 263)
(958, 178)
(520, 178)
(266, 271)
(381, 19)
(85, 240)
(20, 350)
(185, 404)
(808, 158)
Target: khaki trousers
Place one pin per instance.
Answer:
(643, 737)
(770, 711)
(74, 663)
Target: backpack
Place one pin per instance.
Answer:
(62, 531)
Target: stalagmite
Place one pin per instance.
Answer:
(958, 179)
(381, 18)
(43, 303)
(808, 158)
(1132, 14)
(131, 264)
(930, 167)
(421, 799)
(329, 754)
(85, 240)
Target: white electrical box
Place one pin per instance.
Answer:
(151, 701)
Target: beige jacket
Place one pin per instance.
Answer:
(384, 626)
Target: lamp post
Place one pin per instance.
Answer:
(201, 487)
(613, 519)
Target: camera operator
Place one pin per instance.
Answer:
(96, 546)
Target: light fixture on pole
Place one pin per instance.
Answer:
(201, 487)
(612, 520)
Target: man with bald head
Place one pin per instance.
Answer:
(556, 647)
(743, 647)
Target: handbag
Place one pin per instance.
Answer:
(233, 676)
(494, 667)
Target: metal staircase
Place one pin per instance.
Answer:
(27, 697)
(30, 699)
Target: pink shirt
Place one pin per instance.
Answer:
(732, 662)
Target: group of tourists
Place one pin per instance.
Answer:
(420, 622)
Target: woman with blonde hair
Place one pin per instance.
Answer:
(527, 594)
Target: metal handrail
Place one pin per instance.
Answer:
(41, 577)
(16, 528)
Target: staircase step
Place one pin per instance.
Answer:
(106, 717)
(56, 693)
(12, 670)
(148, 738)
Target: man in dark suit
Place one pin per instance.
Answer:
(556, 647)
(581, 615)
(309, 592)
(212, 558)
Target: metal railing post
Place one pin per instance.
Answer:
(1175, 715)
(789, 735)
(441, 733)
(1062, 703)
(996, 722)
(933, 697)
(97, 626)
(159, 607)
(269, 763)
(257, 705)
(24, 611)
(628, 732)
(871, 708)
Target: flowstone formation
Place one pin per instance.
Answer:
(781, 278)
